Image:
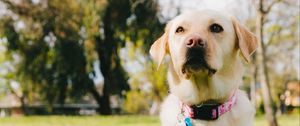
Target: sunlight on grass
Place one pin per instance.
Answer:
(291, 120)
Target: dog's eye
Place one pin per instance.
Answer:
(216, 28)
(179, 29)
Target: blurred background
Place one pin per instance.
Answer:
(90, 57)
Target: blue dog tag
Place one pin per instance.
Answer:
(188, 121)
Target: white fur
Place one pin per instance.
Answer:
(222, 55)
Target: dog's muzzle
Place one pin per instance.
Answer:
(196, 62)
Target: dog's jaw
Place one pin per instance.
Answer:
(188, 72)
(199, 87)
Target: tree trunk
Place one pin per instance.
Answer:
(22, 100)
(107, 48)
(105, 101)
(23, 105)
(253, 84)
(62, 93)
(263, 72)
(103, 108)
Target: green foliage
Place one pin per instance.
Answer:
(148, 83)
(137, 101)
(59, 40)
(51, 48)
(144, 26)
(158, 80)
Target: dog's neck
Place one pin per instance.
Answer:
(202, 88)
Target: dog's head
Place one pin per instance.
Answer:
(203, 43)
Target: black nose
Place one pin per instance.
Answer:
(195, 42)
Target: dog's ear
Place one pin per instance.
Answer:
(247, 41)
(160, 47)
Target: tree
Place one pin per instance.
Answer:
(260, 56)
(52, 56)
(123, 21)
(59, 44)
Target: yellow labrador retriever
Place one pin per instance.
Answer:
(205, 70)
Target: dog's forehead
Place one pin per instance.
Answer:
(201, 17)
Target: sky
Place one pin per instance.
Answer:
(238, 8)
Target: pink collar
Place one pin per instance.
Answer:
(208, 111)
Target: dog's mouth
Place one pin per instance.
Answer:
(189, 69)
(196, 63)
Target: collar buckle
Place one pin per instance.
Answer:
(206, 112)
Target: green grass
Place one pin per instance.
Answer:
(287, 120)
(80, 121)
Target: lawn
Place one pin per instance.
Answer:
(291, 120)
